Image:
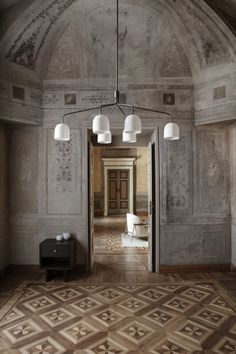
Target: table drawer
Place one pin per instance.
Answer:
(55, 251)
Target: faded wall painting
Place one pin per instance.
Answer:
(174, 61)
(64, 167)
(26, 47)
(212, 174)
(178, 160)
(24, 149)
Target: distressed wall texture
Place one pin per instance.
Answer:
(195, 223)
(58, 55)
(194, 185)
(4, 236)
(232, 131)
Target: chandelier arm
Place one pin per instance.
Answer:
(121, 110)
(145, 109)
(79, 111)
(112, 111)
(107, 105)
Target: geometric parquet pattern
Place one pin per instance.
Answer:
(96, 318)
(108, 234)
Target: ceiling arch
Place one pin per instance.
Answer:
(205, 38)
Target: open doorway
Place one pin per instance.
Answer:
(123, 207)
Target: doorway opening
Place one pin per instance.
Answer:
(123, 207)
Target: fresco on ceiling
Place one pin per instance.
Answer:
(137, 44)
(174, 62)
(28, 44)
(139, 40)
(210, 44)
(66, 60)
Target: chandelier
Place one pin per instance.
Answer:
(101, 122)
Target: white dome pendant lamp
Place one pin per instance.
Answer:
(132, 124)
(104, 138)
(171, 131)
(129, 137)
(101, 124)
(62, 132)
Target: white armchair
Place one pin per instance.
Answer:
(135, 227)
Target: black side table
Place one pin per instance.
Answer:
(55, 255)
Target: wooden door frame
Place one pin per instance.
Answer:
(117, 163)
(158, 210)
(155, 139)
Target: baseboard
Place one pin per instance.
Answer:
(19, 268)
(187, 268)
(233, 267)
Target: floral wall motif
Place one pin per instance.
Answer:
(64, 168)
(213, 172)
(25, 174)
(26, 47)
(174, 62)
(210, 44)
(179, 180)
(65, 61)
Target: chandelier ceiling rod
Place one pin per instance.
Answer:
(101, 124)
(117, 47)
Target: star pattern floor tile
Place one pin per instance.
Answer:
(56, 318)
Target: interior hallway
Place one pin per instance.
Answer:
(109, 252)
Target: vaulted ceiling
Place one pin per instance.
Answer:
(76, 39)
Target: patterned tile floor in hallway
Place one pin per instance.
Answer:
(107, 234)
(84, 317)
(108, 248)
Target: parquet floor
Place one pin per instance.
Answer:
(86, 317)
(119, 308)
(108, 250)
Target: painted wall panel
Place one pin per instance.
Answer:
(177, 196)
(64, 171)
(213, 174)
(24, 150)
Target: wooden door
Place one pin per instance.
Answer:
(118, 192)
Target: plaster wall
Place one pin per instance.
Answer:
(195, 220)
(49, 190)
(192, 75)
(3, 198)
(232, 131)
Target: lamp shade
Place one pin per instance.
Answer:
(171, 131)
(62, 132)
(129, 137)
(101, 124)
(104, 138)
(132, 124)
